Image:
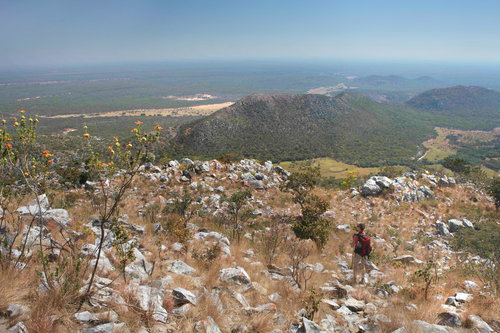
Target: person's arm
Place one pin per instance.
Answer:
(354, 241)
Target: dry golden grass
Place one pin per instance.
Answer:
(14, 286)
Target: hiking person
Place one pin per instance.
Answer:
(362, 248)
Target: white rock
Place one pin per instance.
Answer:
(180, 267)
(85, 317)
(463, 297)
(235, 275)
(183, 296)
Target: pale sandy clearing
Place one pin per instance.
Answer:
(198, 110)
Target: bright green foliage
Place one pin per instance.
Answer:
(428, 274)
(310, 225)
(299, 184)
(312, 303)
(124, 248)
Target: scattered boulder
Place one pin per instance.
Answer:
(423, 327)
(308, 326)
(442, 229)
(449, 319)
(479, 324)
(18, 328)
(354, 305)
(454, 225)
(187, 162)
(235, 275)
(183, 296)
(14, 310)
(181, 268)
(407, 259)
(85, 317)
(463, 297)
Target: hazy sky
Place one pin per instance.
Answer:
(40, 32)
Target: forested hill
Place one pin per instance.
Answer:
(473, 101)
(349, 127)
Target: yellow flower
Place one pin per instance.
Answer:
(129, 145)
(16, 124)
(111, 149)
(117, 144)
(103, 165)
(138, 123)
(4, 121)
(158, 128)
(26, 174)
(22, 111)
(134, 130)
(86, 135)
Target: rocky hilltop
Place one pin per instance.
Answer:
(199, 276)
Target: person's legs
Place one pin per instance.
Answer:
(363, 263)
(356, 260)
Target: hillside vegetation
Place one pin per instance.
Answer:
(349, 127)
(462, 107)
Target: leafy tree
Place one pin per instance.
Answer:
(236, 202)
(300, 183)
(494, 190)
(310, 225)
(182, 206)
(428, 274)
(457, 164)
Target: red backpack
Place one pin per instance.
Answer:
(364, 247)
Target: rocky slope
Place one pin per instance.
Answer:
(176, 284)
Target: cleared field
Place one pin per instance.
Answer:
(438, 148)
(198, 110)
(329, 167)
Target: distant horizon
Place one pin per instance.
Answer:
(278, 61)
(70, 32)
